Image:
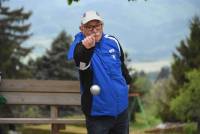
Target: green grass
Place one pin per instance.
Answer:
(148, 122)
(45, 129)
(137, 128)
(142, 123)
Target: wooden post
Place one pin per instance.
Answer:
(54, 115)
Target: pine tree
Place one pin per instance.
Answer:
(13, 32)
(184, 71)
(53, 65)
(186, 59)
(163, 74)
(188, 56)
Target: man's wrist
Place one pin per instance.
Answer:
(87, 46)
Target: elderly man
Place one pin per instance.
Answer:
(100, 60)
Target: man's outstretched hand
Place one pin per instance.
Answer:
(2, 100)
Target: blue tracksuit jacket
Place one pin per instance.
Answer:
(102, 65)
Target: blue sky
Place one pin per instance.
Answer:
(148, 31)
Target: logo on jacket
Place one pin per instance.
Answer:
(114, 57)
(111, 51)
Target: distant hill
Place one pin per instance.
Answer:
(157, 75)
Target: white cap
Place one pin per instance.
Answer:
(90, 15)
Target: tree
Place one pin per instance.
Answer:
(158, 100)
(13, 32)
(186, 105)
(53, 65)
(186, 59)
(141, 85)
(71, 1)
(163, 74)
(188, 56)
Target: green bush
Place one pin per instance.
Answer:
(186, 105)
(190, 128)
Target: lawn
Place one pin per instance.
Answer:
(70, 129)
(137, 128)
(45, 129)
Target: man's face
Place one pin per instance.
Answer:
(93, 27)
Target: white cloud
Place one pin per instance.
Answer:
(41, 42)
(150, 66)
(147, 30)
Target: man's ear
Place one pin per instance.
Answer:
(81, 28)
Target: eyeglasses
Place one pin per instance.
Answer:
(92, 27)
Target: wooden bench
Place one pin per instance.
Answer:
(41, 92)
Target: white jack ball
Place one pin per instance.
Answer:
(95, 89)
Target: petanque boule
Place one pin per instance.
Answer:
(95, 89)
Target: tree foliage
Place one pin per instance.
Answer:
(158, 100)
(13, 32)
(163, 74)
(187, 59)
(69, 2)
(188, 56)
(142, 83)
(53, 64)
(186, 105)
